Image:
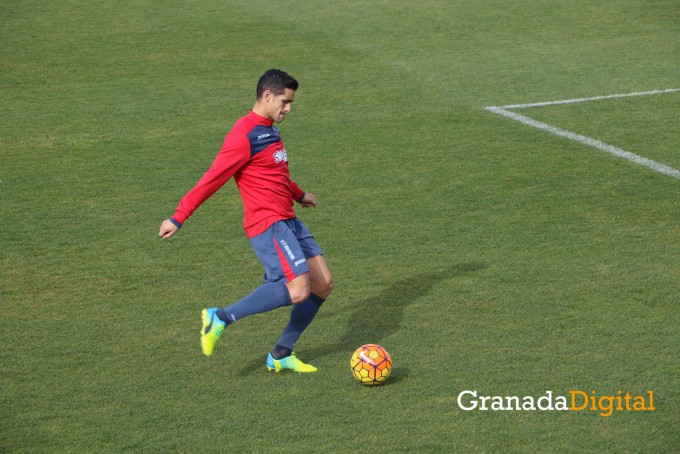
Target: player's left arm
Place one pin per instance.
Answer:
(307, 200)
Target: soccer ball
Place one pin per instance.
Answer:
(371, 364)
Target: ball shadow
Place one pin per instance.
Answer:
(381, 315)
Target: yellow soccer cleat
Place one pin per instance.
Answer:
(288, 363)
(211, 331)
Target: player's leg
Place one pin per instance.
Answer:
(302, 314)
(321, 283)
(287, 282)
(283, 358)
(267, 297)
(320, 276)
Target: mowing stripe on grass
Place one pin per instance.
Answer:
(658, 167)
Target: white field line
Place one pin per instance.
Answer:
(595, 98)
(658, 167)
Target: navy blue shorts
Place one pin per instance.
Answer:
(283, 250)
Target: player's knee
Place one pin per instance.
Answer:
(324, 287)
(299, 290)
(300, 295)
(329, 287)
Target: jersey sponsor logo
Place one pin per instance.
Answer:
(280, 155)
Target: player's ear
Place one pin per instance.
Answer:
(267, 95)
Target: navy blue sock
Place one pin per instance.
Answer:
(301, 316)
(281, 352)
(265, 298)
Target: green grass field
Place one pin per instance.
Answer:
(482, 253)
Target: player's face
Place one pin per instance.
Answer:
(279, 105)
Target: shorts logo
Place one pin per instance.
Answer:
(299, 262)
(288, 251)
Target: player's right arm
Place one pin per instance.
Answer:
(235, 153)
(168, 229)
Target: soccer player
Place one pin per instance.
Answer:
(295, 270)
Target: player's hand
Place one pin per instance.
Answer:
(308, 200)
(168, 229)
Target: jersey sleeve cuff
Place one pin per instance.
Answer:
(176, 223)
(299, 199)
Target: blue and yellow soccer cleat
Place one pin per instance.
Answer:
(211, 331)
(288, 363)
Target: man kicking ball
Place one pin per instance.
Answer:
(295, 270)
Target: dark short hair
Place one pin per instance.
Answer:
(275, 81)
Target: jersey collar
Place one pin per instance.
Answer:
(259, 119)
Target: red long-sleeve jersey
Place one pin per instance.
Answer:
(253, 153)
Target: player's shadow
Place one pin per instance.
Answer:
(381, 315)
